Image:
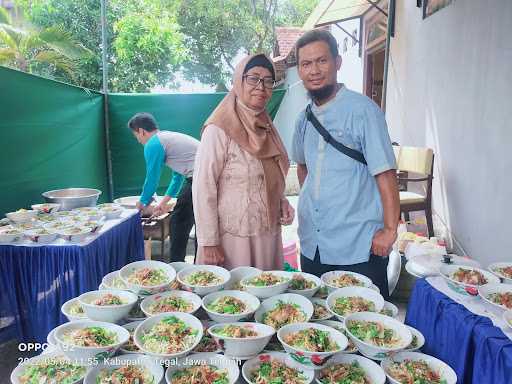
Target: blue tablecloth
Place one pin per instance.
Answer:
(478, 351)
(36, 281)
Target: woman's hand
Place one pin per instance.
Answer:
(287, 212)
(213, 255)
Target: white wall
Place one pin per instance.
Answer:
(351, 73)
(449, 88)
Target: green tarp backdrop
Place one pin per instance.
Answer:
(53, 136)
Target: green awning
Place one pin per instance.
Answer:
(334, 11)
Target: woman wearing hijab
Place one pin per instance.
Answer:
(239, 176)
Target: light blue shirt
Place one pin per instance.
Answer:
(340, 207)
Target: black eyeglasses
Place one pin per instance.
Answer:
(254, 81)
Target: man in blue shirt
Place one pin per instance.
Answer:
(177, 151)
(348, 211)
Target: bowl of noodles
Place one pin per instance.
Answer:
(339, 326)
(147, 277)
(112, 280)
(418, 340)
(414, 367)
(502, 270)
(351, 369)
(304, 284)
(311, 345)
(267, 284)
(170, 301)
(287, 308)
(377, 336)
(466, 280)
(230, 306)
(88, 340)
(497, 296)
(239, 273)
(345, 301)
(203, 368)
(168, 335)
(389, 309)
(130, 368)
(340, 279)
(320, 310)
(203, 279)
(73, 310)
(274, 367)
(110, 305)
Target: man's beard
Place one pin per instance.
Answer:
(322, 93)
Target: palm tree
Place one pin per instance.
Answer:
(26, 48)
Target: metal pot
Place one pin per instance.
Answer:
(70, 198)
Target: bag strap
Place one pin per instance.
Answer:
(356, 155)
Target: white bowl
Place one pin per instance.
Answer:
(436, 365)
(90, 355)
(465, 289)
(147, 290)
(65, 309)
(420, 340)
(493, 267)
(202, 290)
(339, 326)
(251, 302)
(190, 320)
(366, 293)
(370, 350)
(288, 298)
(328, 276)
(265, 292)
(254, 363)
(112, 212)
(190, 297)
(46, 207)
(243, 348)
(50, 339)
(389, 309)
(9, 234)
(316, 301)
(45, 357)
(41, 236)
(507, 318)
(489, 289)
(21, 216)
(310, 359)
(130, 327)
(239, 273)
(306, 292)
(132, 360)
(108, 313)
(216, 360)
(374, 373)
(74, 234)
(112, 280)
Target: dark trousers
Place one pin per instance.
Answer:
(182, 221)
(375, 269)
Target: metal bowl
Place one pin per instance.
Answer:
(70, 198)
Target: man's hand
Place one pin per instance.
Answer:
(139, 206)
(287, 212)
(213, 255)
(383, 241)
(160, 209)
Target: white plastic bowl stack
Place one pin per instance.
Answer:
(90, 353)
(288, 298)
(254, 363)
(372, 351)
(146, 290)
(443, 369)
(486, 290)
(213, 359)
(374, 373)
(310, 292)
(310, 359)
(132, 360)
(190, 297)
(203, 290)
(268, 291)
(447, 272)
(366, 293)
(243, 348)
(328, 276)
(146, 325)
(108, 313)
(493, 268)
(251, 302)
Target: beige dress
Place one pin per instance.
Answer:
(230, 204)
